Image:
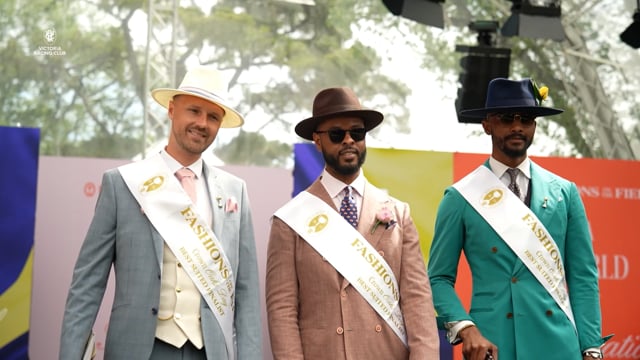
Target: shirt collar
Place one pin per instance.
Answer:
(499, 168)
(174, 165)
(335, 186)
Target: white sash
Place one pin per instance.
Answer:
(520, 228)
(189, 237)
(349, 253)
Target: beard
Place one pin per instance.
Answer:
(344, 169)
(515, 152)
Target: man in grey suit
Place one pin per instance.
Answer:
(186, 277)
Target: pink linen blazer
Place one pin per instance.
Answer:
(314, 313)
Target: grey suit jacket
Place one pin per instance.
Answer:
(121, 235)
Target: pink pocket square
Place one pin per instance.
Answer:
(231, 205)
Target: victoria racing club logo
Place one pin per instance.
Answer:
(49, 36)
(49, 48)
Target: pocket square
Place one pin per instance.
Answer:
(231, 205)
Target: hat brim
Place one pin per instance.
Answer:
(306, 127)
(531, 110)
(231, 118)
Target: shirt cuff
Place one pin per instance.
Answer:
(454, 327)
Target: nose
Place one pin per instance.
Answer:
(201, 120)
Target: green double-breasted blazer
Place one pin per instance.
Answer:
(509, 306)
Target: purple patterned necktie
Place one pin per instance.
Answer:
(348, 208)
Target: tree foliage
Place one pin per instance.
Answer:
(88, 99)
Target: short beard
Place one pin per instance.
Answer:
(516, 153)
(334, 163)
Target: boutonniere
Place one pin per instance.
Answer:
(383, 217)
(540, 93)
(231, 205)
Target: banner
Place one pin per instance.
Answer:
(18, 184)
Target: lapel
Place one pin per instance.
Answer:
(216, 198)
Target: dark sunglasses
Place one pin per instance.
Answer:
(337, 135)
(508, 119)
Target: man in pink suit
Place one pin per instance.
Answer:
(345, 275)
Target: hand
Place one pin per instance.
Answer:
(475, 346)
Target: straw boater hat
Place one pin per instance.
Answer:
(334, 102)
(504, 95)
(208, 84)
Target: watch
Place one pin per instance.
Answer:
(594, 354)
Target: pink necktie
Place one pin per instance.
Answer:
(188, 181)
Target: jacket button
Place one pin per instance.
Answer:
(381, 253)
(494, 249)
(549, 312)
(343, 293)
(154, 311)
(509, 315)
(514, 279)
(340, 330)
(378, 328)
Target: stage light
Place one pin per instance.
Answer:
(541, 20)
(631, 36)
(427, 12)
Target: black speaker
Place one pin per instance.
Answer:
(631, 36)
(479, 66)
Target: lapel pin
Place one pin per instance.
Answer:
(544, 203)
(219, 200)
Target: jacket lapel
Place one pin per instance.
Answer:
(216, 199)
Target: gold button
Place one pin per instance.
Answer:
(340, 330)
(179, 265)
(178, 289)
(343, 294)
(381, 253)
(378, 328)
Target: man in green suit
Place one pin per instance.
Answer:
(526, 237)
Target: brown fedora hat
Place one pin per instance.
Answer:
(334, 102)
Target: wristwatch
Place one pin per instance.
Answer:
(594, 354)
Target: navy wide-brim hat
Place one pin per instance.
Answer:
(334, 102)
(504, 95)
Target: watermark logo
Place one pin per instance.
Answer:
(49, 48)
(50, 36)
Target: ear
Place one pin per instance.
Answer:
(486, 127)
(170, 110)
(316, 141)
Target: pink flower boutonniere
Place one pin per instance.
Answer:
(231, 205)
(384, 217)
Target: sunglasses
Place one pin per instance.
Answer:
(508, 119)
(337, 135)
